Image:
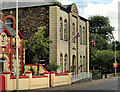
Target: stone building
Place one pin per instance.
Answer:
(8, 49)
(62, 23)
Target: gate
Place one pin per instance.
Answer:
(82, 75)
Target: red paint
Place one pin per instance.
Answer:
(43, 68)
(39, 76)
(20, 77)
(28, 72)
(49, 80)
(67, 71)
(6, 31)
(12, 17)
(6, 72)
(2, 82)
(61, 74)
(46, 72)
(3, 46)
(52, 72)
(30, 64)
(20, 34)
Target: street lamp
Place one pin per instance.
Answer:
(115, 56)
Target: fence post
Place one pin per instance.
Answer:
(52, 78)
(7, 79)
(48, 74)
(2, 83)
(29, 73)
(69, 76)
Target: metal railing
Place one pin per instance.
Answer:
(82, 75)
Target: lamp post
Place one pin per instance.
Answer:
(17, 69)
(115, 56)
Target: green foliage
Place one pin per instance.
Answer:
(32, 70)
(104, 58)
(101, 43)
(101, 25)
(52, 66)
(38, 45)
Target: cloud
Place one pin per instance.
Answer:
(110, 10)
(66, 2)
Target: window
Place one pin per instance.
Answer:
(9, 22)
(80, 63)
(60, 28)
(60, 62)
(83, 35)
(73, 32)
(80, 35)
(3, 40)
(65, 63)
(84, 63)
(65, 30)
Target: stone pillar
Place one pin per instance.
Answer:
(52, 78)
(49, 79)
(29, 73)
(69, 76)
(7, 79)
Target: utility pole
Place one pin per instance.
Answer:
(115, 57)
(17, 69)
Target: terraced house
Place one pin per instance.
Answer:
(62, 23)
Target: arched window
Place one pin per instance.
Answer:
(80, 63)
(65, 62)
(60, 28)
(73, 32)
(84, 63)
(80, 35)
(83, 35)
(65, 30)
(61, 59)
(9, 22)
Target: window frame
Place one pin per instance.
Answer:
(65, 62)
(2, 40)
(61, 28)
(61, 60)
(65, 30)
(73, 32)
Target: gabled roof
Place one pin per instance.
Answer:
(8, 30)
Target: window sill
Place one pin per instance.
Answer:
(3, 46)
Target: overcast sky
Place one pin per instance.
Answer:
(107, 8)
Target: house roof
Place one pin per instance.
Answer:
(10, 31)
(11, 4)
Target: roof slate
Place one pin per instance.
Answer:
(11, 4)
(10, 30)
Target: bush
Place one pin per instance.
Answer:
(52, 66)
(32, 70)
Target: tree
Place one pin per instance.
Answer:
(52, 66)
(101, 25)
(38, 45)
(105, 59)
(101, 43)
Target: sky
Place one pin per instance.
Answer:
(107, 8)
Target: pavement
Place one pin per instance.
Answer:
(74, 86)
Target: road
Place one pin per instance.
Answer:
(104, 85)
